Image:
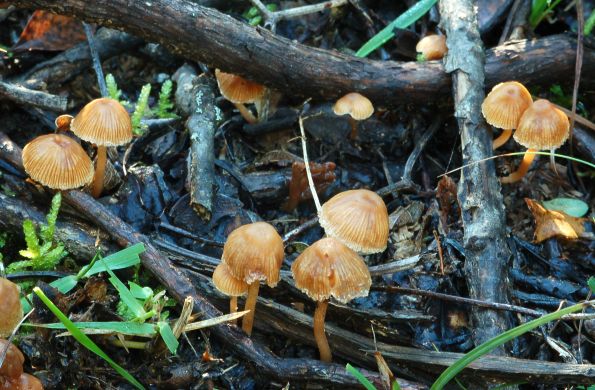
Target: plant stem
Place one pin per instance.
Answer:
(250, 305)
(522, 170)
(97, 185)
(307, 163)
(501, 139)
(321, 341)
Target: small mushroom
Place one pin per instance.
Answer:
(103, 122)
(62, 122)
(542, 127)
(228, 285)
(254, 253)
(357, 106)
(57, 161)
(432, 47)
(329, 268)
(10, 307)
(240, 91)
(358, 218)
(12, 367)
(503, 108)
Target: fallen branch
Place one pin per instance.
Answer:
(208, 36)
(28, 97)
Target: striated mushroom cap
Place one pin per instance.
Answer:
(254, 252)
(226, 283)
(103, 122)
(58, 162)
(433, 47)
(356, 105)
(542, 127)
(358, 218)
(329, 268)
(237, 89)
(505, 104)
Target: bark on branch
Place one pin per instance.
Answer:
(208, 36)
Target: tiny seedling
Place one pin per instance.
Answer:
(112, 88)
(165, 105)
(253, 17)
(141, 109)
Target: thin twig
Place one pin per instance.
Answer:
(307, 163)
(96, 60)
(272, 18)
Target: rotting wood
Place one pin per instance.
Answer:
(29, 97)
(221, 41)
(487, 255)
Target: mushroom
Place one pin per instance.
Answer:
(10, 307)
(357, 106)
(329, 268)
(12, 376)
(57, 161)
(542, 127)
(240, 91)
(62, 122)
(432, 47)
(228, 285)
(358, 218)
(103, 122)
(254, 253)
(503, 108)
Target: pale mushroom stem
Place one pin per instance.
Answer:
(522, 169)
(246, 113)
(233, 307)
(248, 319)
(501, 139)
(97, 185)
(353, 124)
(319, 335)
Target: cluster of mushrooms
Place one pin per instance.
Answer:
(539, 124)
(59, 162)
(355, 222)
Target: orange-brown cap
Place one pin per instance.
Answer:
(433, 47)
(358, 218)
(356, 105)
(542, 127)
(505, 104)
(226, 283)
(62, 122)
(329, 268)
(237, 89)
(103, 122)
(58, 162)
(10, 307)
(13, 363)
(254, 252)
(29, 382)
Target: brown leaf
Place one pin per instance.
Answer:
(385, 373)
(47, 31)
(446, 194)
(551, 223)
(323, 176)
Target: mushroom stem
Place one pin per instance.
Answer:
(522, 169)
(97, 185)
(250, 305)
(353, 124)
(246, 113)
(501, 139)
(319, 335)
(233, 307)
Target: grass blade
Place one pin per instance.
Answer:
(404, 20)
(360, 377)
(84, 339)
(168, 336)
(505, 337)
(128, 328)
(125, 258)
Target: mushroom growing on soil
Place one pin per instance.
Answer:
(11, 311)
(228, 285)
(103, 122)
(432, 47)
(503, 108)
(240, 91)
(12, 376)
(57, 161)
(329, 268)
(358, 218)
(357, 106)
(542, 127)
(254, 253)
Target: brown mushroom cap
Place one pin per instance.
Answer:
(13, 363)
(542, 127)
(29, 382)
(505, 104)
(254, 252)
(358, 218)
(226, 283)
(329, 268)
(433, 47)
(237, 89)
(11, 311)
(58, 162)
(103, 122)
(356, 105)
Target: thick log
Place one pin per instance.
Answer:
(208, 36)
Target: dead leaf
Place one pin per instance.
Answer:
(48, 31)
(550, 223)
(385, 373)
(446, 194)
